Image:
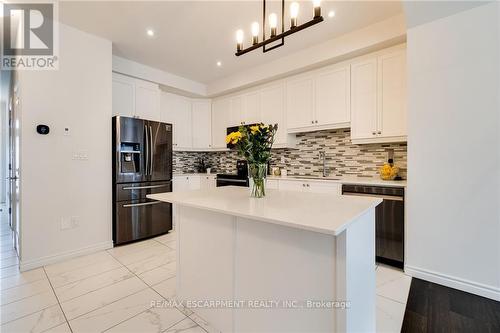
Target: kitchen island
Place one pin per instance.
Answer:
(289, 262)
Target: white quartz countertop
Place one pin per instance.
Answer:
(345, 180)
(324, 213)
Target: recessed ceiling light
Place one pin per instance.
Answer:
(150, 32)
(219, 63)
(331, 13)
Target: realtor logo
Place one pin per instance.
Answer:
(29, 31)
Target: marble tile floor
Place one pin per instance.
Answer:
(113, 291)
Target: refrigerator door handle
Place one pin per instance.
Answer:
(150, 150)
(142, 204)
(144, 187)
(146, 150)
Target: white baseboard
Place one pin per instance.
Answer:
(47, 260)
(453, 282)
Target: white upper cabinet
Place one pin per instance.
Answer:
(392, 94)
(123, 95)
(147, 100)
(364, 99)
(319, 99)
(251, 108)
(333, 97)
(300, 102)
(202, 120)
(378, 102)
(221, 120)
(273, 110)
(191, 120)
(176, 110)
(236, 114)
(135, 98)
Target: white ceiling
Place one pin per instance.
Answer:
(191, 36)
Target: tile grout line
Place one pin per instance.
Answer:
(390, 299)
(59, 303)
(150, 287)
(20, 299)
(72, 270)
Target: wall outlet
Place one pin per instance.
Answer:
(81, 155)
(283, 160)
(67, 131)
(65, 223)
(70, 222)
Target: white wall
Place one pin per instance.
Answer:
(53, 185)
(453, 225)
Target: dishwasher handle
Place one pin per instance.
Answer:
(380, 196)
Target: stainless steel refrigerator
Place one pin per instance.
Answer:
(142, 164)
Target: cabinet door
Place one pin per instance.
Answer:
(364, 99)
(333, 96)
(236, 117)
(291, 185)
(202, 124)
(194, 183)
(273, 112)
(180, 184)
(207, 182)
(177, 111)
(221, 115)
(392, 94)
(251, 108)
(272, 184)
(324, 187)
(147, 100)
(300, 102)
(123, 95)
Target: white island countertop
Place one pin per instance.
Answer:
(322, 213)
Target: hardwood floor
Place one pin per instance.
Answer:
(435, 308)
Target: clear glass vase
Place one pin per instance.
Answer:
(258, 172)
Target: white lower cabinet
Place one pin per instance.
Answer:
(192, 182)
(272, 184)
(309, 186)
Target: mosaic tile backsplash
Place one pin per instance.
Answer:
(342, 157)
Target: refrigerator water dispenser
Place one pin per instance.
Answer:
(130, 157)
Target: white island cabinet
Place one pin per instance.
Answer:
(288, 262)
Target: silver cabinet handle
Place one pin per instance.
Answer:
(143, 187)
(316, 121)
(142, 204)
(312, 121)
(379, 132)
(374, 133)
(307, 185)
(303, 185)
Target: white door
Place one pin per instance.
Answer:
(202, 124)
(177, 111)
(194, 183)
(364, 99)
(392, 94)
(324, 187)
(251, 107)
(123, 95)
(147, 100)
(333, 96)
(221, 115)
(180, 184)
(272, 100)
(291, 185)
(236, 118)
(300, 102)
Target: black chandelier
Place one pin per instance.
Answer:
(273, 23)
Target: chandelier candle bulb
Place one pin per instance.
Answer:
(239, 40)
(294, 12)
(273, 23)
(317, 8)
(255, 33)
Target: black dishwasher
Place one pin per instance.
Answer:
(389, 221)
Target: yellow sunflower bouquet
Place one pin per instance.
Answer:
(254, 144)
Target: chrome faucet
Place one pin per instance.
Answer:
(322, 155)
